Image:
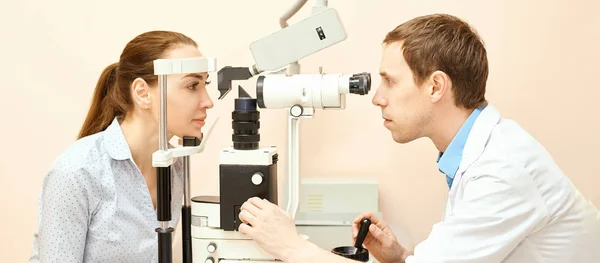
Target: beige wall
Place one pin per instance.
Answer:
(544, 74)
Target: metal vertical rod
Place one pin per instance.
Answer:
(186, 181)
(163, 182)
(162, 132)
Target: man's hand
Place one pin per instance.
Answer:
(271, 227)
(380, 241)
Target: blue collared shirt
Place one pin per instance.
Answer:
(449, 161)
(95, 205)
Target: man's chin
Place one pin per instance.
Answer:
(399, 138)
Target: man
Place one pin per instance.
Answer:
(508, 200)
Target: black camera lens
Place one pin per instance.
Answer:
(245, 124)
(360, 83)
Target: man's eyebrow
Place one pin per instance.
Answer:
(194, 75)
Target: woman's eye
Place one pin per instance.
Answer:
(207, 82)
(193, 85)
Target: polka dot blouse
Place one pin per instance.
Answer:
(95, 205)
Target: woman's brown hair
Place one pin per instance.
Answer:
(112, 95)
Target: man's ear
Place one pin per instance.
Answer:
(140, 93)
(439, 85)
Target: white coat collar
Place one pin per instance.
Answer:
(477, 141)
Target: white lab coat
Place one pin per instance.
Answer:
(510, 202)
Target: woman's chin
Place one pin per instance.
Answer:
(195, 133)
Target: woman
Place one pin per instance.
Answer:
(98, 202)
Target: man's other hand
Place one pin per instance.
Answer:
(380, 241)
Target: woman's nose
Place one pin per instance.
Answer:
(207, 102)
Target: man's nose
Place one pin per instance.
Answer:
(378, 100)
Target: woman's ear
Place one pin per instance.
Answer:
(140, 93)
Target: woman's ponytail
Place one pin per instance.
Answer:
(103, 109)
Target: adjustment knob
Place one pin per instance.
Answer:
(212, 247)
(296, 110)
(209, 260)
(257, 178)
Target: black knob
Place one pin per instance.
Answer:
(365, 223)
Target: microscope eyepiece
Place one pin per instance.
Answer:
(360, 83)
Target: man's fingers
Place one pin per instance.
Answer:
(374, 221)
(246, 230)
(377, 233)
(358, 219)
(370, 237)
(260, 203)
(247, 217)
(250, 208)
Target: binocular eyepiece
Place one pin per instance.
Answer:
(360, 83)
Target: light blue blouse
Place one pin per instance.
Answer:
(95, 205)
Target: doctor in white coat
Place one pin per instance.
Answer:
(508, 200)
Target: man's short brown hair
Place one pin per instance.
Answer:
(444, 42)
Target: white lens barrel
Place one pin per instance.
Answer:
(307, 90)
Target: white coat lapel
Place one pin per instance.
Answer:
(476, 142)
